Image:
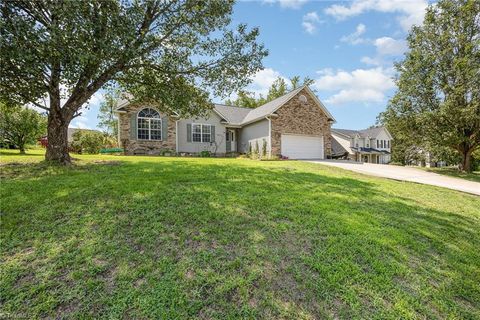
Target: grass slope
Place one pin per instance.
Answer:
(453, 172)
(177, 238)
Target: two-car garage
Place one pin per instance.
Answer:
(302, 146)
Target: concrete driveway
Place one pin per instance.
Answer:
(405, 174)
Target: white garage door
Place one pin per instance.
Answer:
(302, 147)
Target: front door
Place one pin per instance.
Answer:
(231, 143)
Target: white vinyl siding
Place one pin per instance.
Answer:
(185, 141)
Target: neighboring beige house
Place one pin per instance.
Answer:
(296, 125)
(370, 145)
(71, 132)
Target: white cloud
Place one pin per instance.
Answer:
(263, 79)
(80, 122)
(360, 85)
(411, 11)
(290, 4)
(390, 46)
(310, 21)
(355, 37)
(376, 61)
(385, 46)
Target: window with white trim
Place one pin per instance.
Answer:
(149, 125)
(201, 132)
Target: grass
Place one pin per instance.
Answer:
(454, 172)
(185, 238)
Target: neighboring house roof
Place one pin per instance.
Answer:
(372, 132)
(365, 133)
(242, 116)
(346, 132)
(71, 131)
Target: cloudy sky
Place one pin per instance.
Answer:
(348, 47)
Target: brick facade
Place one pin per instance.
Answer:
(296, 117)
(133, 145)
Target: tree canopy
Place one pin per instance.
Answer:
(57, 54)
(437, 104)
(278, 88)
(20, 126)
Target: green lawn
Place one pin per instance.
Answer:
(453, 172)
(179, 238)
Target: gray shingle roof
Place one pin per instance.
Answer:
(269, 107)
(346, 132)
(233, 115)
(371, 132)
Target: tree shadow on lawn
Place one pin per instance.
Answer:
(16, 152)
(181, 239)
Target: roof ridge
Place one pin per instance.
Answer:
(226, 105)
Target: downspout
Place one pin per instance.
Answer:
(269, 137)
(176, 136)
(118, 131)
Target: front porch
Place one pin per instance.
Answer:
(370, 155)
(367, 157)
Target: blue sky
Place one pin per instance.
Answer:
(348, 47)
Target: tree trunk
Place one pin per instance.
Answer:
(22, 150)
(466, 164)
(57, 135)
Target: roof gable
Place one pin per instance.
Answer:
(272, 106)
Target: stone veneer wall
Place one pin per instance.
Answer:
(135, 146)
(297, 117)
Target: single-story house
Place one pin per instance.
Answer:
(296, 125)
(369, 145)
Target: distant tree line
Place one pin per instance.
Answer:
(278, 88)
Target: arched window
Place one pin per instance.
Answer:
(149, 125)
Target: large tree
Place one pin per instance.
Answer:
(20, 125)
(437, 104)
(170, 52)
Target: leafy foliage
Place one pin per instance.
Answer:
(21, 125)
(437, 104)
(106, 113)
(279, 87)
(90, 141)
(170, 52)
